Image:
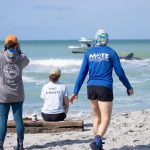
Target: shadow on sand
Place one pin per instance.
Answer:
(60, 143)
(71, 142)
(138, 147)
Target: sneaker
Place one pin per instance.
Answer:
(95, 147)
(19, 147)
(97, 144)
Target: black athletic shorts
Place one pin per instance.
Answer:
(53, 117)
(100, 93)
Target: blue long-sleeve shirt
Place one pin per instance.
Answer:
(99, 62)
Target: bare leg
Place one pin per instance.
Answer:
(96, 115)
(105, 110)
(102, 114)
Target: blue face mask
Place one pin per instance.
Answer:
(12, 53)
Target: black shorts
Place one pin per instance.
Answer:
(53, 117)
(100, 93)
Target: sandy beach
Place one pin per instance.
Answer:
(127, 131)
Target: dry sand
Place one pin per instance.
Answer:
(127, 131)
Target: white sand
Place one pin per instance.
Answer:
(127, 131)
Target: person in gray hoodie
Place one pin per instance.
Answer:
(12, 63)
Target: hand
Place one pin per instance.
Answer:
(130, 92)
(73, 98)
(18, 48)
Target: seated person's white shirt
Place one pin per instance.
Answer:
(53, 95)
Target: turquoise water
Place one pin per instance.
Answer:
(45, 54)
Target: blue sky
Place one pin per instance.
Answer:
(72, 19)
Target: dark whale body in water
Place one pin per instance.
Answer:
(130, 57)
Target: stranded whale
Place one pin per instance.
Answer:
(130, 56)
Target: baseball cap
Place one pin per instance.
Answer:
(55, 71)
(10, 38)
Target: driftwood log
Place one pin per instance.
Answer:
(42, 126)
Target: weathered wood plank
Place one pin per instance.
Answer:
(43, 130)
(48, 127)
(40, 123)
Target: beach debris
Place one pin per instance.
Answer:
(34, 118)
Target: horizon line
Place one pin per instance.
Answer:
(70, 39)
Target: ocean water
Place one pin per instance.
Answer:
(45, 54)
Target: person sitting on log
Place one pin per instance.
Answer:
(55, 96)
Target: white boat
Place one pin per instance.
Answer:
(85, 44)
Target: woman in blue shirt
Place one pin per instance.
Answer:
(99, 62)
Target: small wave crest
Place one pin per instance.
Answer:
(27, 79)
(57, 62)
(65, 63)
(44, 65)
(142, 62)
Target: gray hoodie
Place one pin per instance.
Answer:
(11, 85)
